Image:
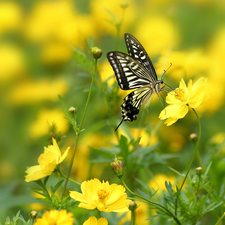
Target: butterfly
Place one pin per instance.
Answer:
(135, 71)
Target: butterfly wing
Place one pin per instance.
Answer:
(129, 73)
(132, 103)
(136, 51)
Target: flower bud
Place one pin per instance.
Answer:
(124, 4)
(199, 170)
(33, 214)
(117, 166)
(72, 109)
(193, 137)
(96, 52)
(132, 206)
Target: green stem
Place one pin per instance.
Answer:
(71, 180)
(132, 217)
(217, 223)
(80, 130)
(89, 95)
(196, 149)
(118, 30)
(152, 203)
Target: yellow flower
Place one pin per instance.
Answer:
(47, 162)
(104, 197)
(94, 221)
(39, 90)
(45, 119)
(12, 62)
(192, 95)
(11, 16)
(55, 217)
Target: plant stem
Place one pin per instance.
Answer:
(217, 223)
(132, 217)
(80, 129)
(196, 149)
(165, 210)
(71, 180)
(89, 95)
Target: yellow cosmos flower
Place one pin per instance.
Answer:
(55, 217)
(104, 197)
(94, 221)
(47, 162)
(192, 95)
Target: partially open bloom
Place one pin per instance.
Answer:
(47, 162)
(55, 217)
(192, 95)
(117, 167)
(94, 221)
(104, 197)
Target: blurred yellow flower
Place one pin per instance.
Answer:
(56, 53)
(94, 221)
(56, 217)
(182, 98)
(11, 16)
(104, 197)
(100, 15)
(184, 63)
(45, 119)
(12, 62)
(216, 71)
(47, 162)
(50, 19)
(106, 73)
(159, 182)
(153, 39)
(38, 91)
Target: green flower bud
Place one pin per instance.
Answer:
(33, 214)
(96, 52)
(132, 206)
(117, 166)
(199, 170)
(72, 109)
(124, 4)
(193, 137)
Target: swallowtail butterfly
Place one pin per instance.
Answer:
(134, 71)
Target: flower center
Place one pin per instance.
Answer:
(180, 94)
(102, 193)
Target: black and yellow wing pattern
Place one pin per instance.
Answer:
(134, 71)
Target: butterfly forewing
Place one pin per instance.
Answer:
(129, 73)
(136, 51)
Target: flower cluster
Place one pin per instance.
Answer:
(47, 162)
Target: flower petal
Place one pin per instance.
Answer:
(35, 173)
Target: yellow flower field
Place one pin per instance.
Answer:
(128, 98)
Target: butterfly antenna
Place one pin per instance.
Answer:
(166, 70)
(119, 124)
(168, 87)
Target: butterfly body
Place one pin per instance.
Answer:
(134, 71)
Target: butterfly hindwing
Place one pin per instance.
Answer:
(136, 51)
(129, 73)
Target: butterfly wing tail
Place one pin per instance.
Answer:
(119, 124)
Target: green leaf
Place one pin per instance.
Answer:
(175, 171)
(55, 188)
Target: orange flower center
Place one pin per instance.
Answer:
(102, 193)
(180, 94)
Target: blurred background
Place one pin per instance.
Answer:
(45, 51)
